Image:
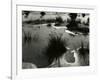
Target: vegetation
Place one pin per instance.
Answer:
(26, 13)
(42, 14)
(84, 55)
(49, 25)
(38, 21)
(28, 38)
(59, 20)
(55, 49)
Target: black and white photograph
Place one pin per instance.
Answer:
(55, 39)
(50, 40)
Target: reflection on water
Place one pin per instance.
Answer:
(35, 39)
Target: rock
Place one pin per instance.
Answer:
(26, 65)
